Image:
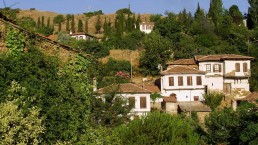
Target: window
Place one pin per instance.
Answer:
(198, 80)
(143, 102)
(132, 102)
(208, 68)
(180, 81)
(171, 81)
(216, 68)
(189, 81)
(245, 67)
(237, 67)
(196, 98)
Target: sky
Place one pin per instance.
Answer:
(110, 6)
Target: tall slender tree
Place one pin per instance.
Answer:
(48, 22)
(98, 25)
(72, 24)
(42, 21)
(38, 23)
(216, 11)
(80, 26)
(138, 22)
(253, 12)
(87, 25)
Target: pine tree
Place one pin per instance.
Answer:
(80, 26)
(216, 11)
(199, 12)
(105, 26)
(129, 23)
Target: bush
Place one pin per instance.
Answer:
(159, 128)
(213, 99)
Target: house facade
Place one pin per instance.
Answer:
(137, 97)
(189, 79)
(146, 27)
(81, 35)
(226, 73)
(184, 83)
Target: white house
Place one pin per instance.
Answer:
(81, 35)
(135, 94)
(226, 73)
(189, 79)
(146, 27)
(184, 83)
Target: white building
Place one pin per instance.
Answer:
(146, 27)
(184, 83)
(81, 35)
(226, 73)
(189, 79)
(135, 94)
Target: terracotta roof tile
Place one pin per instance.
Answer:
(170, 99)
(182, 62)
(123, 88)
(181, 70)
(220, 57)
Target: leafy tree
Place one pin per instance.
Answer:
(98, 25)
(17, 128)
(159, 128)
(59, 19)
(213, 99)
(138, 21)
(253, 12)
(155, 96)
(46, 31)
(124, 11)
(27, 23)
(93, 47)
(216, 11)
(94, 13)
(157, 51)
(236, 15)
(155, 17)
(80, 26)
(15, 42)
(67, 27)
(233, 127)
(38, 24)
(111, 110)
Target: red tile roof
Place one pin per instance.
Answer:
(182, 62)
(123, 88)
(220, 57)
(181, 70)
(170, 99)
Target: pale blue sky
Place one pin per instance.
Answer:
(110, 6)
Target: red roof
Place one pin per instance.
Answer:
(123, 88)
(220, 57)
(181, 70)
(182, 62)
(170, 99)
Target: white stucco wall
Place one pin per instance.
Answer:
(214, 83)
(144, 29)
(137, 110)
(202, 67)
(84, 37)
(230, 67)
(241, 84)
(185, 92)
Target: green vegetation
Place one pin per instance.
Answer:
(95, 13)
(213, 99)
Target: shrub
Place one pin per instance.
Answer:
(213, 99)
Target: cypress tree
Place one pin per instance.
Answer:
(253, 12)
(129, 23)
(80, 26)
(216, 11)
(87, 25)
(67, 27)
(38, 24)
(48, 22)
(42, 21)
(72, 24)
(98, 25)
(138, 22)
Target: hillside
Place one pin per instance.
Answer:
(92, 20)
